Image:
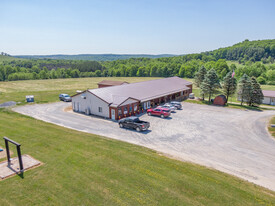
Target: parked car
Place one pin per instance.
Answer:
(169, 106)
(134, 123)
(176, 104)
(65, 98)
(159, 111)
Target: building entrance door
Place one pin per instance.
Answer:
(272, 101)
(113, 113)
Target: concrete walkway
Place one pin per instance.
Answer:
(8, 170)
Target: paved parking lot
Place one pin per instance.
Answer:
(230, 140)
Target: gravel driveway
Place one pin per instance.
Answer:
(230, 140)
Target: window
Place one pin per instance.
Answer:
(144, 105)
(83, 96)
(99, 109)
(135, 107)
(119, 111)
(125, 110)
(130, 109)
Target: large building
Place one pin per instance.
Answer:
(116, 102)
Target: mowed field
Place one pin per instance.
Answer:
(86, 169)
(48, 90)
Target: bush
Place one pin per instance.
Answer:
(261, 80)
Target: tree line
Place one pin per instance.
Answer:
(246, 55)
(248, 89)
(50, 69)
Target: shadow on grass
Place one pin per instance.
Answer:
(238, 106)
(21, 175)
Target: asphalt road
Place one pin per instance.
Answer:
(230, 140)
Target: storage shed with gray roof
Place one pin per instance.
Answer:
(129, 99)
(109, 83)
(269, 97)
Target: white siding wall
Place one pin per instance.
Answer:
(266, 100)
(90, 105)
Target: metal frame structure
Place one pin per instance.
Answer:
(7, 140)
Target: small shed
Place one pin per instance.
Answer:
(220, 100)
(29, 98)
(109, 83)
(269, 97)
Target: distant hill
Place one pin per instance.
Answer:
(246, 50)
(7, 58)
(94, 57)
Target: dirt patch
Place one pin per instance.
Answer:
(68, 109)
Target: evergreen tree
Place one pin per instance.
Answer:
(245, 89)
(257, 94)
(199, 77)
(229, 85)
(210, 84)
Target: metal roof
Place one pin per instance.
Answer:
(110, 82)
(141, 91)
(268, 93)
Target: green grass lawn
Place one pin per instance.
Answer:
(230, 105)
(86, 169)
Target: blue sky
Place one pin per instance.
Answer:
(131, 26)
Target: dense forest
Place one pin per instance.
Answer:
(254, 58)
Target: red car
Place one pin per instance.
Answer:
(162, 112)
